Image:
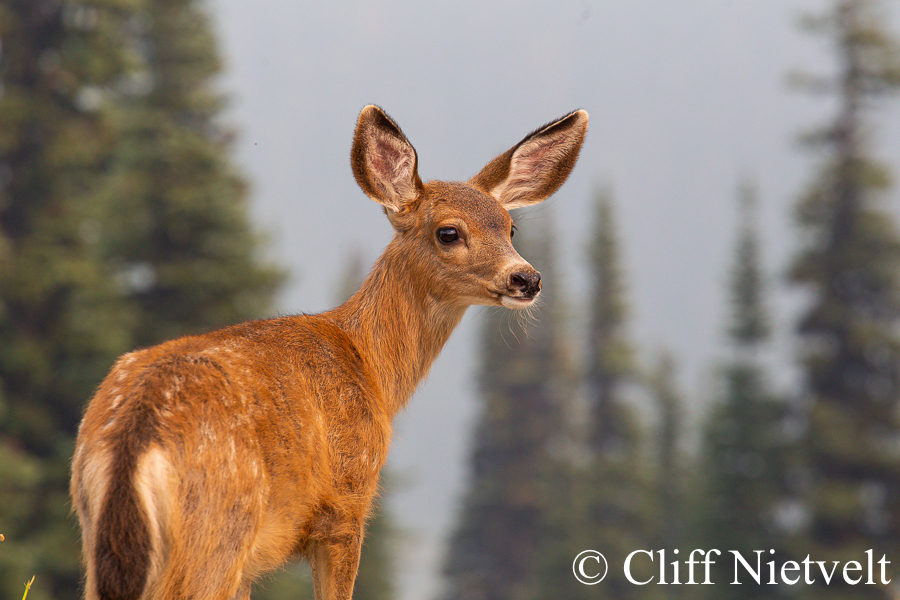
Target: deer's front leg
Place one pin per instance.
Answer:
(334, 564)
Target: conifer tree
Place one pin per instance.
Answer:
(57, 138)
(60, 316)
(186, 242)
(851, 352)
(496, 550)
(607, 507)
(743, 447)
(85, 273)
(669, 478)
(610, 356)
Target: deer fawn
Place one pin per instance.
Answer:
(208, 460)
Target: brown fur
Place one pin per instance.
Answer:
(207, 460)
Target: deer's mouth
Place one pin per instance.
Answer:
(516, 302)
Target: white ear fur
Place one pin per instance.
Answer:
(393, 166)
(531, 164)
(533, 169)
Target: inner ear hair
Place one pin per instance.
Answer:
(384, 162)
(533, 169)
(393, 164)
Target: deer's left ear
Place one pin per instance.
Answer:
(533, 169)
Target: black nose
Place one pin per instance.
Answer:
(528, 283)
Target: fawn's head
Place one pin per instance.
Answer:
(457, 236)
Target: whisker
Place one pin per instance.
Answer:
(509, 322)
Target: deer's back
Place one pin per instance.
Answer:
(278, 416)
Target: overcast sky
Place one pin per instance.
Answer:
(686, 98)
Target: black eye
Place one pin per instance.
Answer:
(447, 235)
(512, 232)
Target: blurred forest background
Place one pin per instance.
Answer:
(124, 220)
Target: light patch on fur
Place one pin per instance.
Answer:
(116, 401)
(93, 481)
(208, 437)
(152, 482)
(206, 429)
(128, 359)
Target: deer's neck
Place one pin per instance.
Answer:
(398, 326)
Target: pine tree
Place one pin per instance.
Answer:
(610, 356)
(496, 549)
(186, 242)
(743, 451)
(56, 141)
(60, 316)
(83, 277)
(608, 508)
(670, 494)
(851, 352)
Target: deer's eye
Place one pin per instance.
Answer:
(512, 231)
(447, 235)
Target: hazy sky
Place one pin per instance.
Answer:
(686, 98)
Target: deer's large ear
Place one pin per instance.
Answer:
(533, 169)
(384, 162)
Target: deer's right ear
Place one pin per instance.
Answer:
(384, 162)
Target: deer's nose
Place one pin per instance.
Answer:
(526, 282)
